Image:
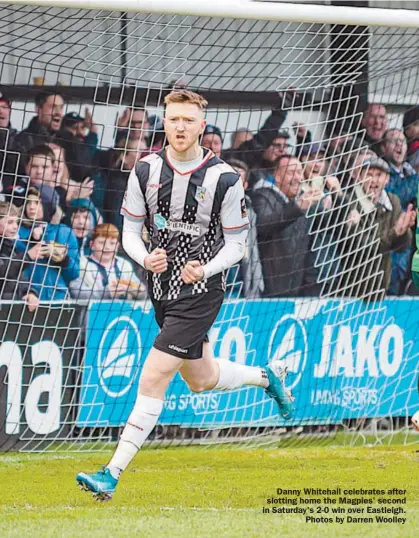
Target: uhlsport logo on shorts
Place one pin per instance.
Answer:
(119, 357)
(288, 342)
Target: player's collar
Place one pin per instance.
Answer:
(208, 155)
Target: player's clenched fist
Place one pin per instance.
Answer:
(192, 272)
(156, 262)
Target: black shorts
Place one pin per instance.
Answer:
(185, 322)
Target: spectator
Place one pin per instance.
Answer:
(52, 247)
(40, 170)
(375, 122)
(393, 231)
(134, 125)
(45, 126)
(349, 176)
(284, 243)
(41, 167)
(13, 284)
(80, 138)
(68, 189)
(8, 160)
(270, 142)
(157, 136)
(104, 275)
(250, 269)
(122, 161)
(411, 131)
(240, 136)
(7, 133)
(81, 217)
(404, 182)
(403, 178)
(265, 167)
(213, 140)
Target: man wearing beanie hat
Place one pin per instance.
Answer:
(411, 131)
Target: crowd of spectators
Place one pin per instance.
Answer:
(329, 217)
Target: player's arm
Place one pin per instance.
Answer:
(235, 226)
(134, 211)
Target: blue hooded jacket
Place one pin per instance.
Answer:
(49, 279)
(75, 205)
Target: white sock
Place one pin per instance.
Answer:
(234, 375)
(141, 421)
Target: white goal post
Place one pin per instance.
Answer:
(252, 9)
(332, 296)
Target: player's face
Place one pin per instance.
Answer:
(183, 124)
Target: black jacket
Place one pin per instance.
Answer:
(284, 244)
(13, 285)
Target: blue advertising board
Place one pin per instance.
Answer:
(346, 359)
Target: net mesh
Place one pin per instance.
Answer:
(69, 370)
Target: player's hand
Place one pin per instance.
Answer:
(192, 272)
(156, 262)
(32, 300)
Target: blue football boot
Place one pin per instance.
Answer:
(102, 484)
(276, 375)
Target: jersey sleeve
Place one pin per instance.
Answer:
(234, 217)
(134, 205)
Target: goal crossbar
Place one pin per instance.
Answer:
(248, 9)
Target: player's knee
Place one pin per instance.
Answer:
(197, 386)
(149, 384)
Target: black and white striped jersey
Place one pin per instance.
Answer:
(187, 214)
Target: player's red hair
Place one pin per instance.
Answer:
(186, 96)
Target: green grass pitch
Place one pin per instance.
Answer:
(196, 492)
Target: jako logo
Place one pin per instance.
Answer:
(119, 357)
(288, 342)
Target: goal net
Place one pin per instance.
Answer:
(325, 284)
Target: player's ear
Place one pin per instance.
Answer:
(203, 125)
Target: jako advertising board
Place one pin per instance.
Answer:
(345, 360)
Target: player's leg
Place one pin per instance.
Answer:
(221, 374)
(207, 373)
(158, 371)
